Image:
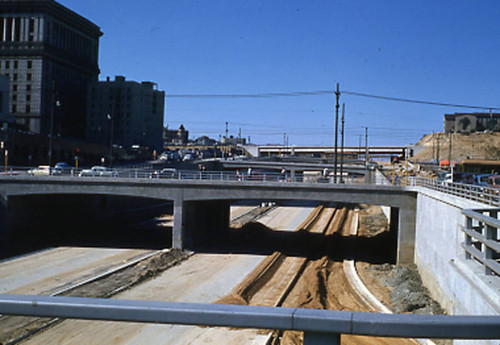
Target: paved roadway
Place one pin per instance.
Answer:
(202, 278)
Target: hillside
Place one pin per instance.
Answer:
(463, 146)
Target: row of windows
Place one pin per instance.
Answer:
(29, 76)
(28, 98)
(13, 30)
(15, 64)
(26, 110)
(15, 87)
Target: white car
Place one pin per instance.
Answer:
(98, 171)
(42, 170)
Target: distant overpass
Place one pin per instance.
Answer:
(349, 151)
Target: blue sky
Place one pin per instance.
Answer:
(442, 51)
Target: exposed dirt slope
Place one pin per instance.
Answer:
(463, 146)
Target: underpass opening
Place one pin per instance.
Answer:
(36, 222)
(278, 229)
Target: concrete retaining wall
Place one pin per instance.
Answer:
(457, 284)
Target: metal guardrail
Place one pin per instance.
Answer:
(180, 175)
(482, 194)
(482, 239)
(319, 326)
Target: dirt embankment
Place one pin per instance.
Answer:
(436, 146)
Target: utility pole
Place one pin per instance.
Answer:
(337, 97)
(359, 146)
(367, 155)
(437, 149)
(449, 149)
(342, 146)
(227, 130)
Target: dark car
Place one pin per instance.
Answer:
(62, 168)
(493, 181)
(468, 178)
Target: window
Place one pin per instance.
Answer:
(14, 77)
(14, 87)
(28, 108)
(28, 87)
(14, 108)
(28, 98)
(7, 64)
(14, 97)
(30, 64)
(28, 76)
(16, 64)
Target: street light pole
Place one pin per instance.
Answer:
(111, 119)
(52, 106)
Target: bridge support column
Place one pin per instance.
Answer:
(197, 222)
(406, 233)
(177, 229)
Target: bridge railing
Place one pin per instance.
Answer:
(319, 326)
(482, 194)
(482, 239)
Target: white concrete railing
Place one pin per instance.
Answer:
(319, 326)
(482, 239)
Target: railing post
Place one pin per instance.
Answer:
(317, 338)
(491, 233)
(468, 239)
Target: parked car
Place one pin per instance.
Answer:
(493, 181)
(481, 179)
(468, 178)
(41, 170)
(165, 173)
(62, 168)
(99, 171)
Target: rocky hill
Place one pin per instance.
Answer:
(463, 146)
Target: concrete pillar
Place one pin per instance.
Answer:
(393, 231)
(4, 36)
(40, 28)
(406, 233)
(177, 229)
(196, 223)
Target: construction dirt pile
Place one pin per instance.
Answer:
(436, 146)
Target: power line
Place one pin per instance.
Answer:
(442, 104)
(329, 92)
(252, 95)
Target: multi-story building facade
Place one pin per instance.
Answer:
(126, 113)
(4, 100)
(50, 55)
(175, 136)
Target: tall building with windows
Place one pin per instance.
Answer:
(126, 113)
(4, 100)
(50, 55)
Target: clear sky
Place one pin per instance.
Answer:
(440, 51)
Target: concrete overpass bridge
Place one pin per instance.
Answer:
(201, 207)
(450, 231)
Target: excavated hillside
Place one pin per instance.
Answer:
(463, 146)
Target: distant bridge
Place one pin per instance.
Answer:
(349, 151)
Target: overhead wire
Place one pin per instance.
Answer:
(330, 92)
